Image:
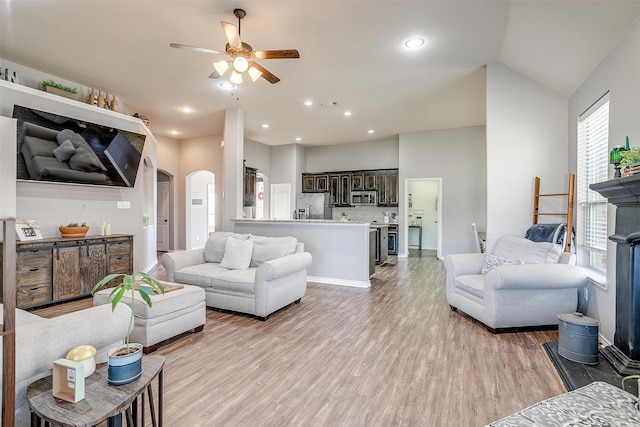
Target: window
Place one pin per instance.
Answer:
(593, 156)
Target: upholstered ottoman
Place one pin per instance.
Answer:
(171, 314)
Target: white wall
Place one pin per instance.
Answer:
(169, 162)
(619, 74)
(458, 156)
(527, 131)
(348, 157)
(194, 154)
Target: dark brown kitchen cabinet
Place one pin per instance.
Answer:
(57, 269)
(387, 186)
(250, 175)
(370, 178)
(308, 183)
(345, 187)
(321, 183)
(357, 181)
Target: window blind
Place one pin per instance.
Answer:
(593, 164)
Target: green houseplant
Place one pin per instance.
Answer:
(125, 363)
(56, 85)
(74, 230)
(630, 157)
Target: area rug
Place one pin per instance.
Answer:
(575, 375)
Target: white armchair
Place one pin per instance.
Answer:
(524, 283)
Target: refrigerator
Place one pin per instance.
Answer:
(313, 206)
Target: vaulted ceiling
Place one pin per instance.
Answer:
(351, 53)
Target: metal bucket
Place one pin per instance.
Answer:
(578, 338)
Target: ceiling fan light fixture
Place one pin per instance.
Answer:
(235, 78)
(240, 64)
(221, 66)
(254, 73)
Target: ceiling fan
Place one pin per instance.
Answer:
(242, 56)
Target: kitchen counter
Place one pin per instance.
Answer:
(340, 249)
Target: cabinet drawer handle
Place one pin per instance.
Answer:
(34, 269)
(33, 289)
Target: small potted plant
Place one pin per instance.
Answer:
(56, 88)
(72, 230)
(630, 160)
(125, 362)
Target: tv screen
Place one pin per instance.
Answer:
(54, 148)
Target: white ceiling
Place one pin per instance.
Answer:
(351, 52)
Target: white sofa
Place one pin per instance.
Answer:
(524, 283)
(263, 276)
(40, 341)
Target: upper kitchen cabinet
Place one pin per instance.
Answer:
(315, 183)
(357, 181)
(370, 179)
(250, 175)
(387, 186)
(340, 189)
(307, 183)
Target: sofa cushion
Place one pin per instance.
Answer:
(472, 284)
(236, 280)
(492, 261)
(64, 151)
(39, 147)
(199, 274)
(529, 252)
(237, 254)
(215, 244)
(268, 248)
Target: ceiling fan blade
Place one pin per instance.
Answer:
(232, 34)
(196, 48)
(277, 54)
(268, 75)
(214, 75)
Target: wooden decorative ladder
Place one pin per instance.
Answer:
(569, 212)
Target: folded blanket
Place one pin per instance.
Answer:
(554, 233)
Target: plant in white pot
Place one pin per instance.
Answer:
(125, 362)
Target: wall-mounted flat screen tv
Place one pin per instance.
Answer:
(54, 148)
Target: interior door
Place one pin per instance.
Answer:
(162, 222)
(281, 201)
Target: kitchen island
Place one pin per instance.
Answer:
(340, 249)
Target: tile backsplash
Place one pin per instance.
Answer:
(364, 213)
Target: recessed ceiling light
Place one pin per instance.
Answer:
(308, 103)
(347, 113)
(186, 109)
(298, 139)
(414, 43)
(174, 132)
(265, 125)
(227, 85)
(370, 131)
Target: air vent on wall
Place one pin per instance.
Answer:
(328, 104)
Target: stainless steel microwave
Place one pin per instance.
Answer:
(363, 198)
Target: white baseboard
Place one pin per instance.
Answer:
(605, 342)
(340, 282)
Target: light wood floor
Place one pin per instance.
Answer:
(392, 355)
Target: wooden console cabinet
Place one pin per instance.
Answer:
(57, 269)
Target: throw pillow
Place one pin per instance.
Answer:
(268, 248)
(64, 151)
(492, 261)
(215, 244)
(237, 254)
